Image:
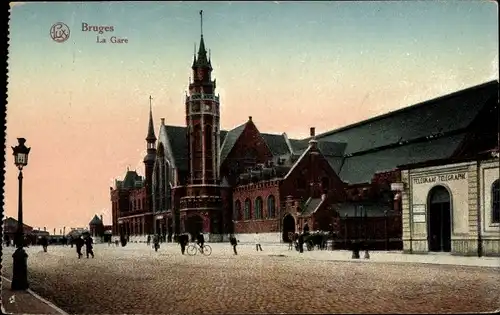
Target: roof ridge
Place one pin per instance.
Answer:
(408, 108)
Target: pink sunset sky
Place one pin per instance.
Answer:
(83, 106)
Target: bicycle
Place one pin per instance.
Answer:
(193, 248)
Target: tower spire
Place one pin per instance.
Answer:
(151, 131)
(201, 22)
(201, 57)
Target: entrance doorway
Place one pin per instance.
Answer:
(288, 227)
(194, 226)
(439, 221)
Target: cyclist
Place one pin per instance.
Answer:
(200, 240)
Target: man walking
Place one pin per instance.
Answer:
(257, 242)
(301, 243)
(234, 242)
(88, 246)
(79, 244)
(183, 241)
(156, 242)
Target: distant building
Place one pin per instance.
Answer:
(96, 227)
(10, 228)
(76, 232)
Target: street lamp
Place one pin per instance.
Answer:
(20, 264)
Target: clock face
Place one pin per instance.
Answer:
(208, 107)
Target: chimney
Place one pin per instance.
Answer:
(162, 121)
(249, 118)
(312, 131)
(101, 218)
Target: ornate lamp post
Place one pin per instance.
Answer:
(20, 266)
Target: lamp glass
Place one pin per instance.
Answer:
(21, 159)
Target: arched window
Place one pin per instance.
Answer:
(237, 210)
(258, 208)
(247, 209)
(271, 206)
(495, 204)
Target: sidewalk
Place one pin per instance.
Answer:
(25, 302)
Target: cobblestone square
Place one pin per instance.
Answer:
(136, 280)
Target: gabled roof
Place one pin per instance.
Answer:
(95, 221)
(438, 116)
(230, 140)
(176, 136)
(131, 177)
(276, 143)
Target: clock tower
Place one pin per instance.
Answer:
(201, 208)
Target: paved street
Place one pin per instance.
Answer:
(136, 280)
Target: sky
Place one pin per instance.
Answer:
(83, 106)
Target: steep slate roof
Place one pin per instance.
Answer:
(311, 205)
(426, 131)
(176, 135)
(230, 140)
(441, 115)
(360, 168)
(95, 221)
(130, 178)
(276, 143)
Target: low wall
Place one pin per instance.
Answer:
(263, 237)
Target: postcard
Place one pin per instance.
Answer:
(252, 158)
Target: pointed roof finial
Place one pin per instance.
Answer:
(209, 54)
(201, 22)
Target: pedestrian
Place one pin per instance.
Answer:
(183, 241)
(292, 240)
(257, 242)
(79, 244)
(88, 246)
(156, 242)
(301, 243)
(234, 242)
(148, 241)
(45, 243)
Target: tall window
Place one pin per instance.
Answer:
(247, 209)
(258, 208)
(271, 206)
(495, 206)
(237, 210)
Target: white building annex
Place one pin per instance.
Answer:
(452, 207)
